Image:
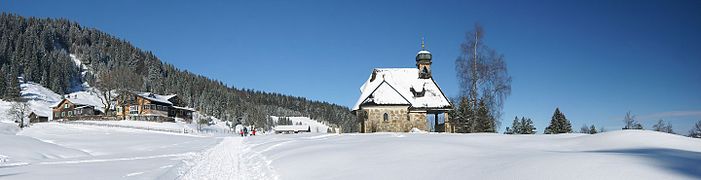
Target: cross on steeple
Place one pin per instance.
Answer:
(423, 46)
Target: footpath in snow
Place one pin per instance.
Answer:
(231, 160)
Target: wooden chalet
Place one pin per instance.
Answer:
(75, 109)
(147, 106)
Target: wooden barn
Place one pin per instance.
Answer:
(37, 117)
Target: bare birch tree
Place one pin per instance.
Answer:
(19, 112)
(482, 74)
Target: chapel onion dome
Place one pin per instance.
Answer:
(423, 55)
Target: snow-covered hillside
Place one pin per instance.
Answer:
(314, 125)
(38, 97)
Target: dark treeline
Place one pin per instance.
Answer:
(38, 50)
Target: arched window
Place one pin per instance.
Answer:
(385, 117)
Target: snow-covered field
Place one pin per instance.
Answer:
(65, 151)
(68, 151)
(611, 155)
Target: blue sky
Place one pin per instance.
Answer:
(595, 60)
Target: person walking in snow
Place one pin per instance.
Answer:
(253, 132)
(241, 132)
(245, 131)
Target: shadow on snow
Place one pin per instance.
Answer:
(684, 162)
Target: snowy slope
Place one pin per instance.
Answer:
(315, 126)
(79, 86)
(611, 155)
(38, 97)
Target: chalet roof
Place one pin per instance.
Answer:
(41, 113)
(82, 101)
(184, 108)
(156, 97)
(401, 86)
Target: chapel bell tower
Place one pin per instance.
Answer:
(423, 62)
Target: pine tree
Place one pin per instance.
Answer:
(464, 116)
(558, 124)
(3, 81)
(527, 125)
(12, 90)
(515, 127)
(484, 122)
(592, 130)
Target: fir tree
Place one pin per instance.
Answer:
(3, 81)
(464, 116)
(527, 126)
(558, 124)
(592, 130)
(484, 122)
(514, 129)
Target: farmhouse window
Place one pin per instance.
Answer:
(134, 109)
(385, 117)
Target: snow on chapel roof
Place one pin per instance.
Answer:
(401, 86)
